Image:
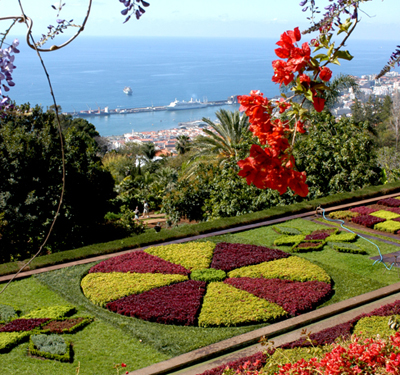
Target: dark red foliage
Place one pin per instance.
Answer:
(140, 262)
(173, 304)
(367, 220)
(387, 310)
(390, 202)
(228, 256)
(363, 210)
(307, 245)
(19, 325)
(259, 359)
(294, 296)
(326, 336)
(317, 236)
(396, 219)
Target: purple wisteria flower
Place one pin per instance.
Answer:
(135, 7)
(7, 66)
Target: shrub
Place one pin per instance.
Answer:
(342, 237)
(390, 226)
(346, 248)
(287, 230)
(308, 246)
(191, 255)
(51, 312)
(228, 256)
(51, 347)
(295, 297)
(7, 313)
(387, 215)
(174, 304)
(237, 307)
(289, 240)
(208, 275)
(367, 220)
(372, 326)
(139, 262)
(343, 215)
(10, 339)
(102, 288)
(292, 268)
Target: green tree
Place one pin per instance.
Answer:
(31, 170)
(338, 156)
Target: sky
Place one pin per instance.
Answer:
(200, 18)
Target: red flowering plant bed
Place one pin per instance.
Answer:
(367, 220)
(139, 262)
(363, 210)
(228, 256)
(23, 325)
(390, 202)
(189, 302)
(177, 304)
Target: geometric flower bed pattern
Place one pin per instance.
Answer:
(316, 240)
(383, 216)
(47, 320)
(232, 284)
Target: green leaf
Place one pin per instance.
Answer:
(345, 55)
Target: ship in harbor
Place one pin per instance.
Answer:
(192, 104)
(127, 90)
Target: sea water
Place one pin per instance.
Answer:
(91, 73)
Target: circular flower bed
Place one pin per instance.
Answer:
(207, 284)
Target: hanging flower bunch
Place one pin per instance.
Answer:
(271, 164)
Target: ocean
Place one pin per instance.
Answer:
(92, 72)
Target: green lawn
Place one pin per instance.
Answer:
(112, 339)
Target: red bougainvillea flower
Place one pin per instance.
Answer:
(300, 127)
(319, 103)
(282, 72)
(325, 74)
(283, 105)
(299, 58)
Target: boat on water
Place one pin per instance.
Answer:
(127, 90)
(192, 104)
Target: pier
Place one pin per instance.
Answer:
(123, 111)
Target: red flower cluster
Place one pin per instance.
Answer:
(228, 256)
(368, 357)
(293, 296)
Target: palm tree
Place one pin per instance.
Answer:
(182, 144)
(220, 143)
